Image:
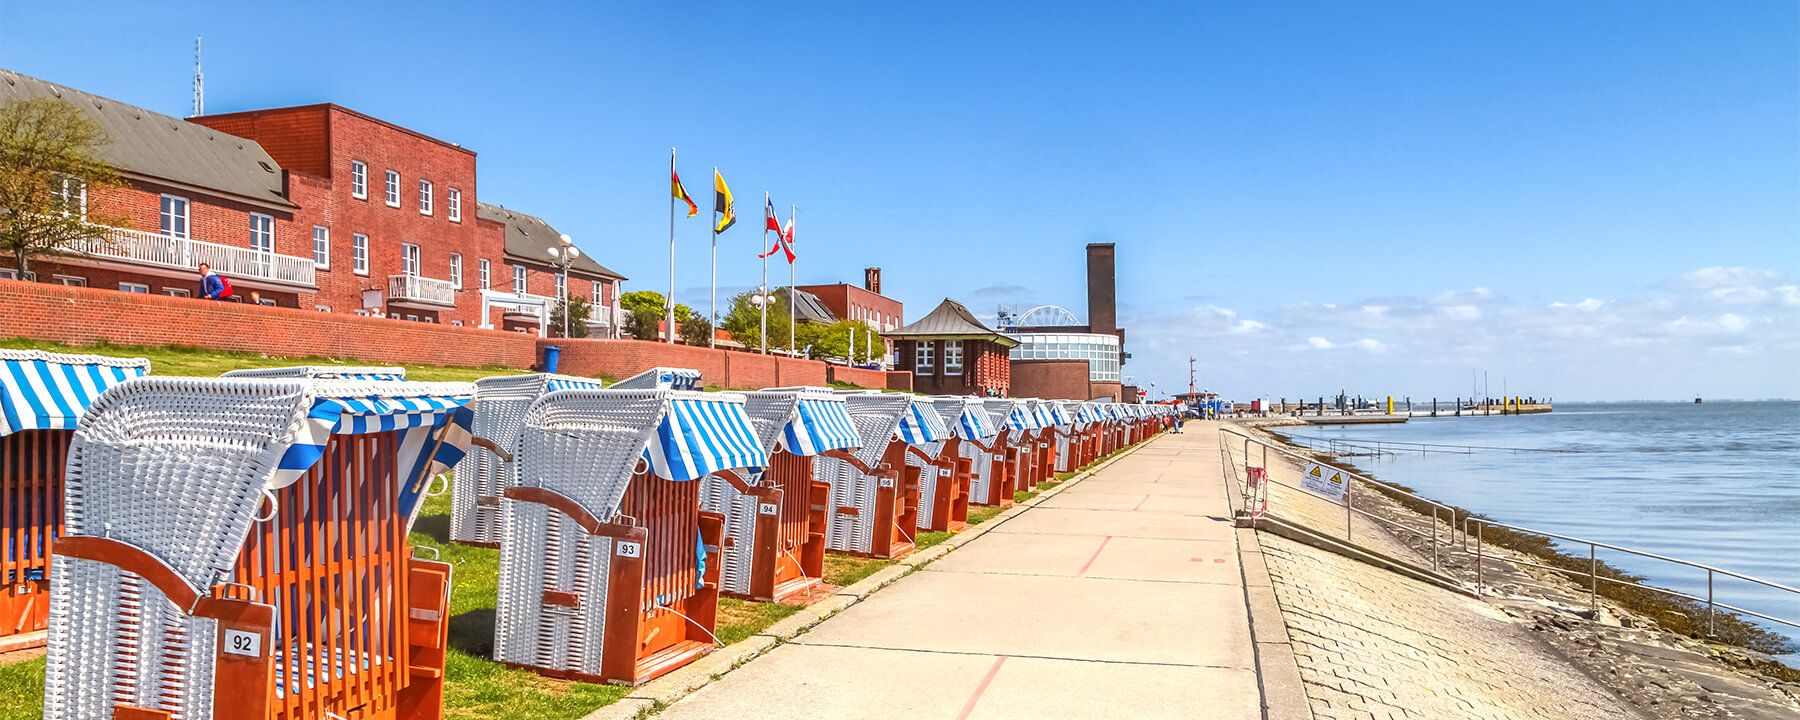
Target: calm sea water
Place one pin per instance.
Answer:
(1716, 483)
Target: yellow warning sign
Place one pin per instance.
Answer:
(1324, 481)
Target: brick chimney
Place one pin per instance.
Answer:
(872, 280)
(1102, 295)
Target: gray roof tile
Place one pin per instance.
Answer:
(530, 237)
(951, 320)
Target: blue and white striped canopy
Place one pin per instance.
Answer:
(921, 424)
(1059, 415)
(567, 382)
(820, 424)
(703, 434)
(661, 378)
(1020, 418)
(1088, 412)
(974, 423)
(433, 420)
(322, 372)
(1046, 415)
(50, 391)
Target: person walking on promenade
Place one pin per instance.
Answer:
(213, 287)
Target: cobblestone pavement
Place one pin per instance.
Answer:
(1375, 645)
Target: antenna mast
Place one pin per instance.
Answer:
(199, 81)
(1190, 375)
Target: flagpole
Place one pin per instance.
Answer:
(791, 275)
(669, 302)
(763, 290)
(712, 340)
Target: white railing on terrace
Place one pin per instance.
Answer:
(421, 289)
(600, 315)
(137, 246)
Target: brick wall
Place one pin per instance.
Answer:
(1053, 379)
(83, 316)
(621, 359)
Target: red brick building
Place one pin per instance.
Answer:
(865, 303)
(950, 352)
(316, 207)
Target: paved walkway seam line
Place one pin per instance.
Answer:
(1063, 658)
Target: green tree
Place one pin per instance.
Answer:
(578, 311)
(695, 331)
(52, 180)
(643, 325)
(833, 341)
(646, 310)
(743, 321)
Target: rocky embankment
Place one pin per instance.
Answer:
(1375, 643)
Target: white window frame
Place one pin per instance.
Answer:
(456, 270)
(393, 188)
(359, 253)
(455, 200)
(321, 247)
(923, 357)
(13, 274)
(953, 349)
(359, 179)
(519, 279)
(69, 280)
(486, 274)
(409, 259)
(262, 240)
(322, 308)
(424, 197)
(562, 286)
(164, 214)
(78, 195)
(597, 293)
(178, 292)
(131, 287)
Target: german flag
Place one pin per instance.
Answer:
(722, 206)
(680, 192)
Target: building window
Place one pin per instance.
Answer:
(359, 180)
(457, 323)
(922, 358)
(13, 274)
(322, 308)
(71, 194)
(393, 188)
(456, 270)
(486, 279)
(138, 288)
(174, 216)
(69, 280)
(562, 287)
(518, 278)
(424, 197)
(953, 357)
(262, 240)
(359, 253)
(321, 247)
(409, 259)
(597, 294)
(455, 205)
(177, 292)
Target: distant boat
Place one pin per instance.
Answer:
(1696, 401)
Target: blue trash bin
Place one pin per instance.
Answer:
(552, 354)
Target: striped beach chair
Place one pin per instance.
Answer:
(322, 372)
(609, 570)
(775, 521)
(873, 510)
(932, 458)
(480, 479)
(42, 398)
(970, 427)
(237, 549)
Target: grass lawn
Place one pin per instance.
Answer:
(181, 360)
(22, 690)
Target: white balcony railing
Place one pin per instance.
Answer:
(600, 315)
(146, 248)
(412, 288)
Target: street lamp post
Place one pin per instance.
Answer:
(563, 256)
(761, 298)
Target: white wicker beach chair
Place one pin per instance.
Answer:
(943, 497)
(661, 378)
(236, 549)
(774, 543)
(609, 570)
(42, 398)
(872, 510)
(475, 489)
(322, 372)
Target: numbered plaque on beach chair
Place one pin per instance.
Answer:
(322, 372)
(481, 478)
(609, 570)
(42, 398)
(873, 510)
(969, 428)
(237, 549)
(934, 463)
(775, 521)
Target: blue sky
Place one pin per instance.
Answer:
(1592, 200)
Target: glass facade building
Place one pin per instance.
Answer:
(1101, 351)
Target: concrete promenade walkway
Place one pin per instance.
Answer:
(1119, 597)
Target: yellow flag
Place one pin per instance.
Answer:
(722, 207)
